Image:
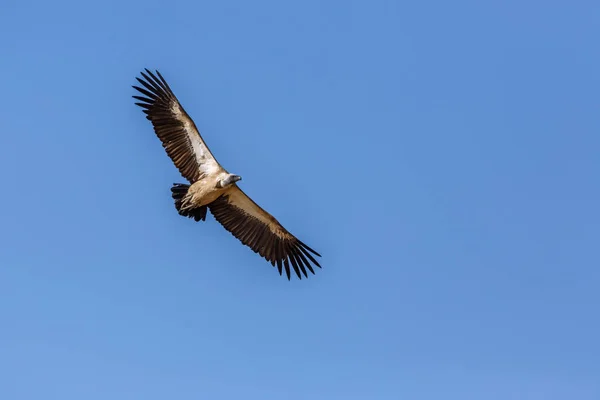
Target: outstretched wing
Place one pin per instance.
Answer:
(174, 127)
(260, 231)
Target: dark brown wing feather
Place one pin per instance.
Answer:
(174, 127)
(260, 231)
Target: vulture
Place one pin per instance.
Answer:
(211, 187)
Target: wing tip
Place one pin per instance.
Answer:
(155, 82)
(308, 248)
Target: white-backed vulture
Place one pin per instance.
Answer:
(212, 187)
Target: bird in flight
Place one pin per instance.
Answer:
(211, 187)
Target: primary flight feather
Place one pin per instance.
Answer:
(212, 187)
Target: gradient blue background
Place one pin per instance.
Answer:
(444, 157)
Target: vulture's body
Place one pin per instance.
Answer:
(212, 188)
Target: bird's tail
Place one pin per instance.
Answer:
(179, 192)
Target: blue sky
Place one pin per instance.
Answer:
(443, 157)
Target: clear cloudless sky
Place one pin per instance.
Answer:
(442, 156)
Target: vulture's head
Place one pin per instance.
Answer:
(228, 181)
